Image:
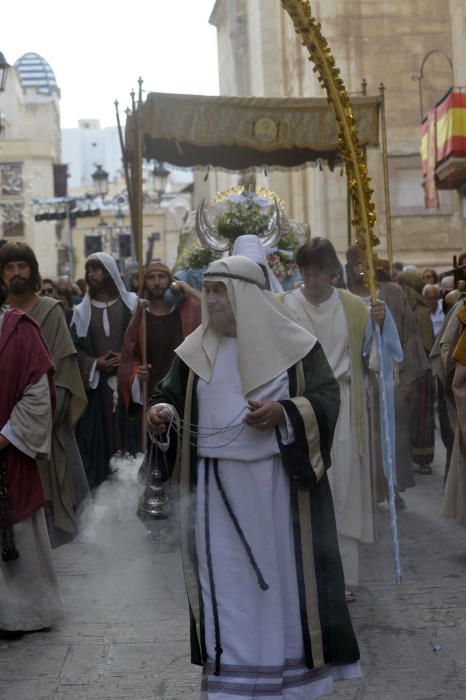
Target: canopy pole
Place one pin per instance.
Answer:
(138, 232)
(386, 183)
(124, 158)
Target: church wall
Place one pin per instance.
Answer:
(381, 42)
(458, 31)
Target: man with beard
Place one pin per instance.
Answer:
(169, 318)
(62, 475)
(98, 326)
(29, 594)
(260, 554)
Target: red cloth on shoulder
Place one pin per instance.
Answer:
(24, 359)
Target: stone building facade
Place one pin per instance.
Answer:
(381, 42)
(458, 40)
(29, 150)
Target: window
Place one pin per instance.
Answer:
(11, 179)
(11, 217)
(407, 192)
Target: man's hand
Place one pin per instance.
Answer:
(157, 418)
(264, 415)
(114, 362)
(408, 390)
(378, 312)
(102, 362)
(3, 442)
(108, 363)
(190, 291)
(143, 372)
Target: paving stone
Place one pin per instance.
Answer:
(125, 634)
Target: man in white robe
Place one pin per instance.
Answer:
(255, 403)
(340, 321)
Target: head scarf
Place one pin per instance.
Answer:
(269, 341)
(82, 312)
(412, 279)
(157, 266)
(250, 246)
(153, 266)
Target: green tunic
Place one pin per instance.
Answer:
(328, 635)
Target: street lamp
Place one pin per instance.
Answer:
(159, 176)
(420, 77)
(100, 177)
(120, 218)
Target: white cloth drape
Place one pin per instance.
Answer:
(349, 476)
(82, 312)
(260, 356)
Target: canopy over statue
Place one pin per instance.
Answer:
(237, 133)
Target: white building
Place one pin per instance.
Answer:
(87, 146)
(29, 152)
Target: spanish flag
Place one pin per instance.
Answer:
(443, 137)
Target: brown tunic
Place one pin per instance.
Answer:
(164, 334)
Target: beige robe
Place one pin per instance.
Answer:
(454, 499)
(350, 475)
(62, 475)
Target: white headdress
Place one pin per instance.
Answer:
(82, 312)
(251, 247)
(269, 341)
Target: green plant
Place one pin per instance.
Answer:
(240, 218)
(195, 258)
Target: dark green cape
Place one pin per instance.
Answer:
(313, 410)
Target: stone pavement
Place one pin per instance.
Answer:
(125, 633)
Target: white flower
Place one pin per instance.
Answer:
(236, 198)
(261, 201)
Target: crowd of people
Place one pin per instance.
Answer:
(265, 406)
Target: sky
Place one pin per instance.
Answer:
(99, 48)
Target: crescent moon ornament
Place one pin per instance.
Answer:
(211, 238)
(206, 233)
(273, 232)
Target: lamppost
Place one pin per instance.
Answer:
(420, 76)
(125, 240)
(100, 178)
(159, 177)
(114, 238)
(3, 75)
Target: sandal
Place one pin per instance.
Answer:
(349, 597)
